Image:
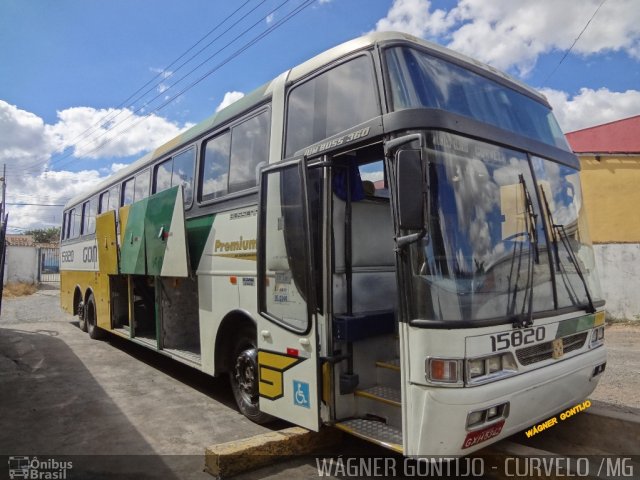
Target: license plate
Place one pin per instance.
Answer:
(479, 436)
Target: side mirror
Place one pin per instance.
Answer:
(410, 173)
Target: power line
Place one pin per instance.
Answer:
(110, 116)
(293, 13)
(574, 42)
(160, 73)
(131, 114)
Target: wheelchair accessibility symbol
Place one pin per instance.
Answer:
(301, 394)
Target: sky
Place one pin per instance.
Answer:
(87, 86)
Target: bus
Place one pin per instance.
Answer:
(389, 238)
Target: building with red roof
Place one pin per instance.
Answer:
(610, 159)
(619, 137)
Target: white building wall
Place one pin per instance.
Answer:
(21, 265)
(619, 269)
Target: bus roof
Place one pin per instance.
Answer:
(262, 93)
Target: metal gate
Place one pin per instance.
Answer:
(49, 264)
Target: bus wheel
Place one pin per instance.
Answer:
(81, 321)
(90, 318)
(244, 377)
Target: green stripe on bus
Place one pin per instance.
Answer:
(132, 258)
(575, 325)
(157, 225)
(197, 233)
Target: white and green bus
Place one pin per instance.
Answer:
(389, 238)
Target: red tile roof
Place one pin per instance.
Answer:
(20, 240)
(621, 136)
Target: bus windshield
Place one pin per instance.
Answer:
(420, 80)
(486, 255)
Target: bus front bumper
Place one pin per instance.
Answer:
(437, 416)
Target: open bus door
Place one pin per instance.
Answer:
(409, 187)
(286, 327)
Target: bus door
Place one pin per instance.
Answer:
(287, 324)
(406, 163)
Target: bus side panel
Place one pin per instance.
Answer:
(94, 281)
(227, 262)
(132, 251)
(107, 242)
(102, 294)
(67, 287)
(218, 296)
(165, 239)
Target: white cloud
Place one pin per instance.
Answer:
(118, 166)
(414, 17)
(105, 133)
(592, 107)
(508, 34)
(23, 137)
(228, 99)
(27, 144)
(270, 18)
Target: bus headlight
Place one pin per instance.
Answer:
(597, 337)
(485, 369)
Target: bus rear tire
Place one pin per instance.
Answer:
(244, 376)
(90, 318)
(82, 323)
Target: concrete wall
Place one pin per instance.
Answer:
(21, 265)
(611, 196)
(618, 268)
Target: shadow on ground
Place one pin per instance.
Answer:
(52, 407)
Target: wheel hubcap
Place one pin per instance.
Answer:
(245, 374)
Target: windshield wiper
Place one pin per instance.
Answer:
(523, 320)
(558, 230)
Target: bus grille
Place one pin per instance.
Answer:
(544, 351)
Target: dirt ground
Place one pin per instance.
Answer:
(62, 393)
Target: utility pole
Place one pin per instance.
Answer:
(4, 188)
(3, 231)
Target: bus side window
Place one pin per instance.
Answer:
(183, 165)
(127, 192)
(141, 189)
(89, 216)
(75, 222)
(177, 171)
(215, 170)
(63, 232)
(104, 202)
(114, 196)
(162, 178)
(249, 149)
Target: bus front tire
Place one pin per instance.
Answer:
(90, 318)
(244, 377)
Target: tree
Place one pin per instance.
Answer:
(45, 235)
